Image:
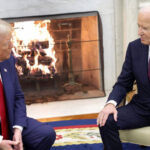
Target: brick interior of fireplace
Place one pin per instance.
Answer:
(80, 35)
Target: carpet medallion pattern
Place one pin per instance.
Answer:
(80, 134)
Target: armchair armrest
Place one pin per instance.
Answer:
(129, 96)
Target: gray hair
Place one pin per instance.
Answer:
(5, 27)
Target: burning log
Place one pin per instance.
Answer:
(23, 51)
(38, 76)
(20, 61)
(42, 52)
(39, 45)
(45, 60)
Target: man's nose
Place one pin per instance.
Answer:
(140, 31)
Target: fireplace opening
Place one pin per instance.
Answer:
(59, 57)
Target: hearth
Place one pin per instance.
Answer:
(59, 57)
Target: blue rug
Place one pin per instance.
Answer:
(82, 135)
(126, 146)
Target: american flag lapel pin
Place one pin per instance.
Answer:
(5, 70)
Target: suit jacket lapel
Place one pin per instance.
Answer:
(6, 80)
(144, 56)
(8, 88)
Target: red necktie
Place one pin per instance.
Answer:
(3, 113)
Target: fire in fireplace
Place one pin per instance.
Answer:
(33, 48)
(59, 57)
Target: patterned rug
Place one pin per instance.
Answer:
(76, 132)
(81, 135)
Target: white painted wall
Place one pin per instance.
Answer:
(130, 16)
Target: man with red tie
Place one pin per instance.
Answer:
(17, 129)
(136, 67)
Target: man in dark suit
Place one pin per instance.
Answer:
(17, 129)
(136, 67)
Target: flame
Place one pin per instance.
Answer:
(25, 34)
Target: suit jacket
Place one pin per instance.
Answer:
(14, 97)
(16, 108)
(134, 68)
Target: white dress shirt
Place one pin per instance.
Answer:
(113, 101)
(15, 126)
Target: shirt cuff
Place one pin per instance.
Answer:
(18, 127)
(1, 138)
(112, 102)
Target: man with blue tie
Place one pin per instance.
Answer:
(17, 129)
(135, 68)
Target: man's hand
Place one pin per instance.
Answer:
(18, 138)
(105, 112)
(7, 144)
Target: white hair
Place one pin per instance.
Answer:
(145, 9)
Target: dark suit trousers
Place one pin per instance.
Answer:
(129, 117)
(38, 137)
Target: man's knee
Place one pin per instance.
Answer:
(52, 135)
(49, 134)
(48, 140)
(109, 122)
(43, 135)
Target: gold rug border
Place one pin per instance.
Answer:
(73, 117)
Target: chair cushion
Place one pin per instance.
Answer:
(139, 136)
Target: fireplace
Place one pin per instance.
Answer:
(59, 57)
